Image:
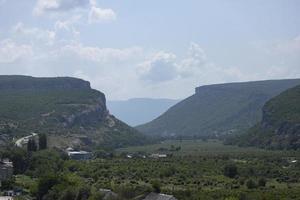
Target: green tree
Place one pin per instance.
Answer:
(156, 186)
(250, 184)
(230, 170)
(31, 145)
(43, 141)
(262, 182)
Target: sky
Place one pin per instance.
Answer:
(158, 49)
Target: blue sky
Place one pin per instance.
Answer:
(158, 49)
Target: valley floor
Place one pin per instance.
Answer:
(192, 170)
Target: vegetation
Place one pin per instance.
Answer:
(217, 109)
(49, 174)
(279, 128)
(67, 110)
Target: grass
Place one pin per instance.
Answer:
(198, 147)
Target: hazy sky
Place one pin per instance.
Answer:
(151, 48)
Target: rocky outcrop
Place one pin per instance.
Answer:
(65, 108)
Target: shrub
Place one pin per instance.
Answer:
(250, 184)
(262, 182)
(230, 170)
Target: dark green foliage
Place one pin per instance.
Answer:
(218, 109)
(59, 106)
(42, 141)
(262, 182)
(279, 128)
(230, 170)
(31, 145)
(45, 183)
(250, 184)
(156, 186)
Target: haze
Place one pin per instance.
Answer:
(157, 49)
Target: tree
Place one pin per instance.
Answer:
(250, 184)
(262, 182)
(42, 141)
(230, 170)
(156, 186)
(31, 145)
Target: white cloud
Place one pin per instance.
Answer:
(102, 55)
(50, 6)
(34, 34)
(97, 14)
(11, 52)
(160, 67)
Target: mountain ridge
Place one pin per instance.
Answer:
(217, 109)
(65, 108)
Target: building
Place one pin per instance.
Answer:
(6, 198)
(79, 155)
(156, 196)
(157, 155)
(6, 170)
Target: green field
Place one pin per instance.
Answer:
(199, 147)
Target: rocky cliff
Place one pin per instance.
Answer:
(67, 109)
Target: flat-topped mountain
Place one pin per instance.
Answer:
(67, 109)
(218, 109)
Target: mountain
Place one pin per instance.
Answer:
(67, 109)
(217, 109)
(280, 124)
(139, 110)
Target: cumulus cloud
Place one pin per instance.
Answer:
(37, 34)
(97, 14)
(50, 6)
(160, 67)
(11, 52)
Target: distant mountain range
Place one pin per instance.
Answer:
(139, 110)
(67, 109)
(218, 109)
(280, 124)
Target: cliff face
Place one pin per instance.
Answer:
(280, 124)
(66, 109)
(218, 109)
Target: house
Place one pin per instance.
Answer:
(6, 169)
(78, 155)
(6, 198)
(156, 196)
(157, 155)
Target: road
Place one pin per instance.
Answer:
(20, 142)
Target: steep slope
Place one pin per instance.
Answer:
(218, 109)
(66, 109)
(139, 110)
(280, 124)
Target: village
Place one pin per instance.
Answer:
(7, 168)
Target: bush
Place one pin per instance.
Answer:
(156, 186)
(250, 184)
(230, 170)
(262, 182)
